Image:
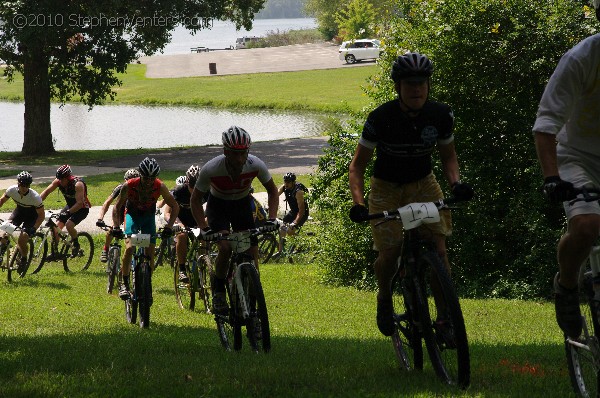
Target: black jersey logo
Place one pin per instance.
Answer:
(429, 135)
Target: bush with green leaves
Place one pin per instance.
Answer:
(492, 59)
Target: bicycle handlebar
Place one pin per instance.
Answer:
(589, 195)
(253, 232)
(440, 204)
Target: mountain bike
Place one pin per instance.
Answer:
(113, 263)
(267, 246)
(426, 306)
(165, 252)
(140, 298)
(583, 353)
(199, 269)
(60, 249)
(245, 296)
(10, 259)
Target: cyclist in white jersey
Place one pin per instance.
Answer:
(228, 178)
(29, 212)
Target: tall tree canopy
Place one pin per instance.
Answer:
(76, 47)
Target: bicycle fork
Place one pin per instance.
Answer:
(241, 297)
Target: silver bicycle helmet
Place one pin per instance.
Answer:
(411, 65)
(192, 174)
(236, 138)
(24, 178)
(63, 171)
(149, 168)
(131, 173)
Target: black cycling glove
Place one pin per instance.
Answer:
(462, 191)
(359, 213)
(558, 190)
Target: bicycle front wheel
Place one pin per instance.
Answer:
(14, 265)
(80, 260)
(131, 304)
(406, 339)
(227, 325)
(144, 294)
(582, 354)
(204, 276)
(185, 292)
(257, 324)
(443, 324)
(40, 250)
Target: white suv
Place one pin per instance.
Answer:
(357, 50)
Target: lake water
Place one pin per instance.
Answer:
(223, 33)
(129, 126)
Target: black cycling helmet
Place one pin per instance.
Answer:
(192, 174)
(24, 178)
(236, 138)
(411, 65)
(289, 177)
(149, 168)
(63, 171)
(131, 173)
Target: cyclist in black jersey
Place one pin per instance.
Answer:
(298, 207)
(78, 205)
(405, 132)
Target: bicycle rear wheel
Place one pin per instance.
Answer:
(443, 324)
(185, 292)
(204, 274)
(407, 337)
(267, 244)
(584, 369)
(40, 249)
(80, 260)
(257, 324)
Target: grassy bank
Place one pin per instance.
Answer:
(327, 90)
(62, 335)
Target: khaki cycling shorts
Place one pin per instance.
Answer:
(388, 196)
(580, 169)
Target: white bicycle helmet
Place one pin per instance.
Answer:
(236, 138)
(149, 168)
(192, 174)
(181, 180)
(131, 173)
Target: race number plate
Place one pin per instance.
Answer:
(416, 214)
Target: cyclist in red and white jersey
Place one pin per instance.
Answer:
(29, 212)
(228, 178)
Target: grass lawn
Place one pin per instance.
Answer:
(326, 90)
(62, 335)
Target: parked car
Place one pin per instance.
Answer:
(357, 50)
(242, 42)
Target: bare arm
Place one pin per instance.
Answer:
(545, 146)
(273, 198)
(301, 209)
(197, 209)
(40, 217)
(449, 162)
(121, 199)
(171, 203)
(357, 169)
(50, 188)
(105, 207)
(3, 199)
(79, 196)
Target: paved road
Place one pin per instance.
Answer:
(255, 60)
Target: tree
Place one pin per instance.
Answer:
(67, 49)
(356, 20)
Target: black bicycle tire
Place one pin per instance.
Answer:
(267, 244)
(114, 260)
(131, 304)
(580, 361)
(407, 339)
(185, 295)
(204, 274)
(158, 254)
(86, 253)
(226, 323)
(23, 271)
(452, 365)
(145, 302)
(39, 252)
(251, 281)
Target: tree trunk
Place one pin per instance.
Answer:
(38, 133)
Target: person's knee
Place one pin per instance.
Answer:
(585, 228)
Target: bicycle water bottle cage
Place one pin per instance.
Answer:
(140, 240)
(416, 214)
(8, 227)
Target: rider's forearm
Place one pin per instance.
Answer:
(545, 146)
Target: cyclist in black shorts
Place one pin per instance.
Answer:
(129, 174)
(182, 193)
(295, 199)
(78, 205)
(29, 212)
